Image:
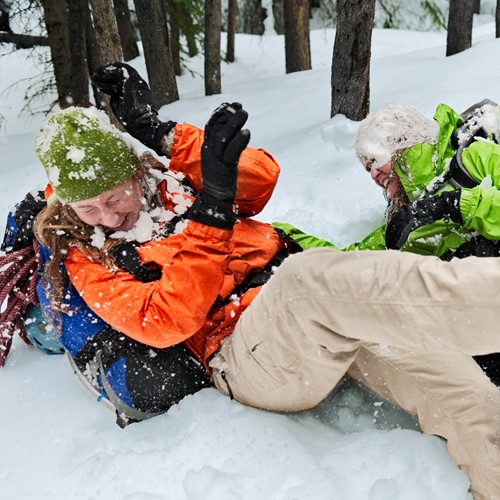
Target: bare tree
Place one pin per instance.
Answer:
(232, 13)
(154, 35)
(459, 26)
(351, 58)
(126, 30)
(213, 25)
(297, 45)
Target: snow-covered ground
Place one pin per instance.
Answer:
(59, 443)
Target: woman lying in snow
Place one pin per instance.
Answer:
(404, 325)
(440, 178)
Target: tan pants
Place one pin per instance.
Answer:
(404, 325)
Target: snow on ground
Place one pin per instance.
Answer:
(59, 443)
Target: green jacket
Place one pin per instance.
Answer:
(422, 170)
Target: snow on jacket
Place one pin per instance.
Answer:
(201, 266)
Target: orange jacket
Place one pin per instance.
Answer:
(199, 265)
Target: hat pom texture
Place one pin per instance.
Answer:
(83, 154)
(392, 128)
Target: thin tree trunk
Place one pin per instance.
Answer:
(297, 46)
(212, 46)
(351, 58)
(78, 52)
(126, 30)
(459, 26)
(173, 10)
(154, 35)
(232, 13)
(56, 22)
(497, 20)
(279, 16)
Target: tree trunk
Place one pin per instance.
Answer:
(56, 22)
(476, 9)
(109, 45)
(101, 100)
(279, 16)
(351, 58)
(232, 14)
(212, 46)
(252, 19)
(497, 20)
(126, 30)
(459, 26)
(173, 11)
(297, 46)
(78, 53)
(154, 35)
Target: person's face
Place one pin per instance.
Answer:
(117, 209)
(385, 177)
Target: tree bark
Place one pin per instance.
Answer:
(78, 53)
(351, 58)
(297, 46)
(279, 16)
(109, 45)
(476, 9)
(232, 14)
(56, 22)
(252, 17)
(126, 30)
(459, 26)
(212, 46)
(154, 35)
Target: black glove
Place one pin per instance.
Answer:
(224, 142)
(132, 103)
(421, 213)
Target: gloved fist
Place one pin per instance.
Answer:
(421, 213)
(132, 103)
(221, 150)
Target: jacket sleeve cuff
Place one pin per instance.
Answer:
(469, 199)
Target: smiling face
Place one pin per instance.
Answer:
(384, 176)
(116, 210)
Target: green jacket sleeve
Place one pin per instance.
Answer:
(304, 240)
(374, 241)
(480, 206)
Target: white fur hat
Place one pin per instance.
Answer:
(394, 127)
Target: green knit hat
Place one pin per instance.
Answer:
(83, 154)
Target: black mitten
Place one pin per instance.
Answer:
(132, 103)
(421, 213)
(223, 144)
